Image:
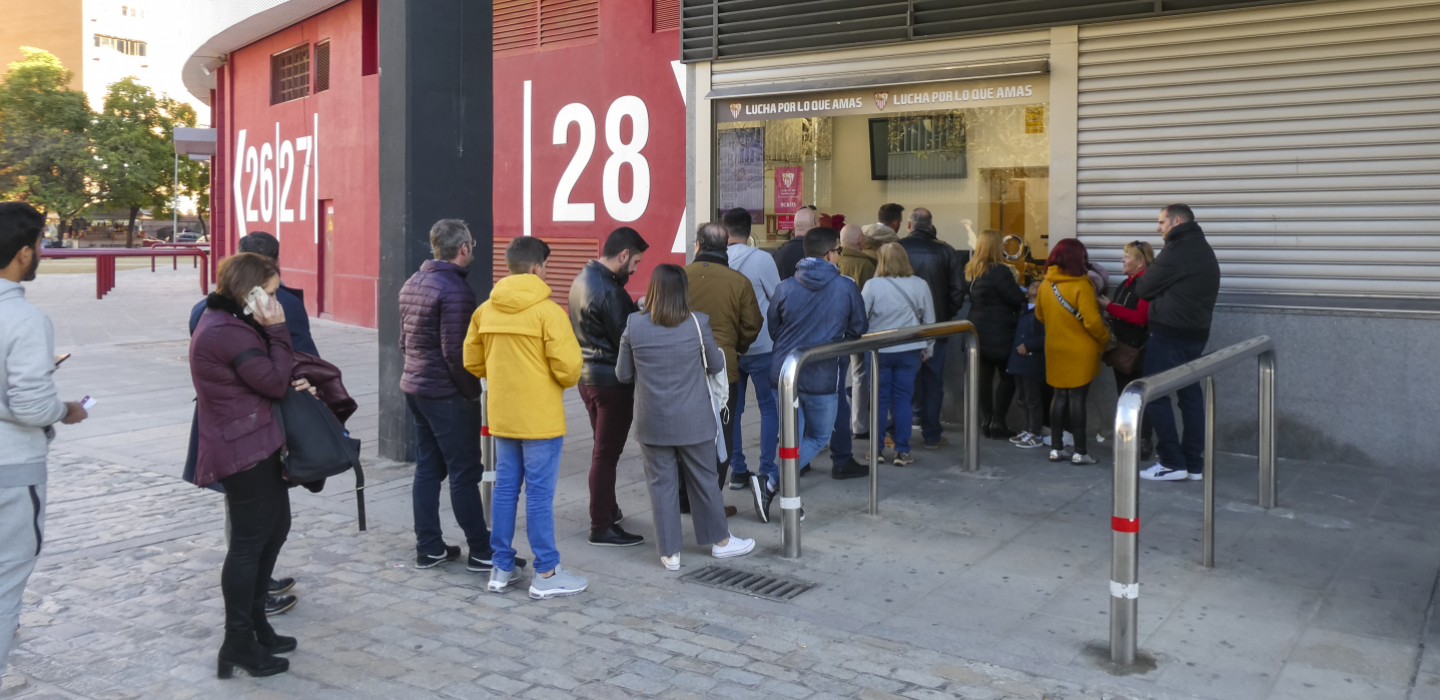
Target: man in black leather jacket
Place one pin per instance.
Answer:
(943, 268)
(599, 310)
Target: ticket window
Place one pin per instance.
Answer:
(974, 168)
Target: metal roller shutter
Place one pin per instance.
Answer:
(1306, 138)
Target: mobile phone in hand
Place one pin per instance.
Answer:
(59, 359)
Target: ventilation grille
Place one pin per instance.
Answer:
(529, 25)
(667, 15)
(717, 29)
(322, 67)
(290, 75)
(758, 585)
(567, 257)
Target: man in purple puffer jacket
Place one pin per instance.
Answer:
(435, 309)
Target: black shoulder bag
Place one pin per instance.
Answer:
(316, 444)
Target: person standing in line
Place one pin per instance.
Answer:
(1027, 364)
(436, 304)
(599, 306)
(858, 263)
(936, 262)
(896, 298)
(1129, 316)
(754, 364)
(665, 352)
(298, 322)
(240, 362)
(29, 408)
(1181, 286)
(522, 344)
(996, 300)
(790, 254)
(816, 306)
(891, 216)
(1075, 335)
(728, 299)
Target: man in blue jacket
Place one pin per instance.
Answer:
(298, 322)
(815, 307)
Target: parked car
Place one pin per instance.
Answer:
(192, 237)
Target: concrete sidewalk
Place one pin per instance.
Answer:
(1327, 596)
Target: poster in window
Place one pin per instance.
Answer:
(741, 172)
(1035, 119)
(789, 183)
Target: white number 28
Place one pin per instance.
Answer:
(621, 153)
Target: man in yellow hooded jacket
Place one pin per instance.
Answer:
(521, 343)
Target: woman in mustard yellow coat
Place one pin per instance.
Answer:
(1075, 336)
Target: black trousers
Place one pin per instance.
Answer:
(259, 503)
(1032, 396)
(1068, 409)
(995, 400)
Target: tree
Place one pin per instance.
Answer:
(45, 151)
(133, 144)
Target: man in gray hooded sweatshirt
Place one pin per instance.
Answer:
(29, 407)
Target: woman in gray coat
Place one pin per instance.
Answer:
(666, 351)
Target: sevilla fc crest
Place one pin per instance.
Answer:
(789, 179)
(880, 99)
(735, 110)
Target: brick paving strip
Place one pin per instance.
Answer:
(126, 604)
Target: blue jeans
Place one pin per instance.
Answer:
(817, 421)
(1163, 353)
(897, 385)
(447, 445)
(534, 464)
(930, 394)
(756, 369)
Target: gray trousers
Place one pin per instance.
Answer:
(707, 509)
(859, 383)
(22, 522)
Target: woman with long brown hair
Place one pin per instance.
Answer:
(666, 352)
(996, 300)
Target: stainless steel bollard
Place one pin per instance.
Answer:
(1207, 556)
(1125, 528)
(1267, 430)
(972, 401)
(877, 431)
(487, 455)
(790, 458)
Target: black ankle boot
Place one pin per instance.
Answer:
(250, 656)
(276, 644)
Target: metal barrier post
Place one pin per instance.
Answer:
(487, 454)
(790, 457)
(1207, 557)
(1267, 430)
(877, 431)
(972, 401)
(1125, 527)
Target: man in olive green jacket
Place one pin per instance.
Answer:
(729, 299)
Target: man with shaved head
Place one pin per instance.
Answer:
(793, 251)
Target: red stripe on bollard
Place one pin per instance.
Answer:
(1124, 524)
(789, 453)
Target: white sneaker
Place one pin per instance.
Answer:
(672, 563)
(561, 583)
(736, 547)
(1060, 455)
(1080, 459)
(1067, 440)
(1160, 472)
(501, 579)
(1197, 476)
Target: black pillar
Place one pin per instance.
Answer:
(436, 157)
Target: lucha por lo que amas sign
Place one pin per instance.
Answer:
(943, 96)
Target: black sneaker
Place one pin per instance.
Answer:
(760, 491)
(739, 481)
(278, 586)
(805, 470)
(427, 561)
(614, 537)
(279, 604)
(850, 470)
(483, 566)
(619, 516)
(860, 436)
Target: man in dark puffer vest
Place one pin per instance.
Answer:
(1181, 286)
(435, 309)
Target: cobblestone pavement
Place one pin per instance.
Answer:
(126, 604)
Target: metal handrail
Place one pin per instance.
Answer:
(1125, 523)
(487, 454)
(871, 343)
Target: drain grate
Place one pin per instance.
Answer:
(759, 585)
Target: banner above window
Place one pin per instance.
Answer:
(886, 99)
(895, 78)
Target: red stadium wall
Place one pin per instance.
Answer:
(578, 91)
(283, 161)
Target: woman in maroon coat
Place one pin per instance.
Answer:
(240, 361)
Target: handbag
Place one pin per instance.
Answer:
(317, 446)
(1125, 358)
(719, 390)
